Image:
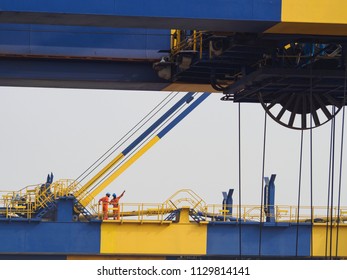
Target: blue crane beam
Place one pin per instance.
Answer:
(81, 57)
(79, 74)
(58, 31)
(85, 57)
(84, 42)
(221, 15)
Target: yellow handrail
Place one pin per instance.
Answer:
(28, 200)
(190, 42)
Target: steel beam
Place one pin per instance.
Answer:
(80, 74)
(233, 15)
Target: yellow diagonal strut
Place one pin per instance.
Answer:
(99, 175)
(86, 200)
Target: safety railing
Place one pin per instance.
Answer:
(319, 214)
(290, 214)
(185, 197)
(135, 212)
(25, 202)
(181, 41)
(152, 211)
(221, 213)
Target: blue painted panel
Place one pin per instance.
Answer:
(102, 71)
(59, 6)
(276, 241)
(222, 15)
(64, 210)
(49, 237)
(14, 42)
(83, 41)
(204, 9)
(208, 9)
(80, 74)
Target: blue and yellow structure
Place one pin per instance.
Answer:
(197, 230)
(39, 201)
(88, 191)
(251, 50)
(321, 17)
(113, 44)
(311, 17)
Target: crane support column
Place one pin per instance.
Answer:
(228, 201)
(269, 198)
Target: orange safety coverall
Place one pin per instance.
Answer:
(104, 200)
(115, 204)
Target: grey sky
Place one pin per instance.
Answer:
(65, 130)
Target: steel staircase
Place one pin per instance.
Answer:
(83, 210)
(196, 216)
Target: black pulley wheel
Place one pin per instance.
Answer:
(295, 110)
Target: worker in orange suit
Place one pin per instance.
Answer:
(105, 201)
(115, 203)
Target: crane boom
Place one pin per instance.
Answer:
(87, 193)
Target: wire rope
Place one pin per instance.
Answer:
(332, 185)
(240, 189)
(299, 194)
(262, 185)
(330, 202)
(329, 192)
(341, 162)
(311, 155)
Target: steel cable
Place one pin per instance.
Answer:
(330, 203)
(332, 184)
(311, 155)
(240, 222)
(329, 191)
(262, 184)
(299, 194)
(341, 161)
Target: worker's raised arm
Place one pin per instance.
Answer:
(122, 194)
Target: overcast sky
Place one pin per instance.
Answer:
(65, 130)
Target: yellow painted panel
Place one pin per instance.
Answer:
(312, 17)
(153, 239)
(315, 11)
(184, 215)
(319, 241)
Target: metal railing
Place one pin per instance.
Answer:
(219, 213)
(136, 211)
(283, 213)
(180, 42)
(27, 201)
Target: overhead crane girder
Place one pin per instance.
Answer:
(237, 15)
(239, 37)
(324, 17)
